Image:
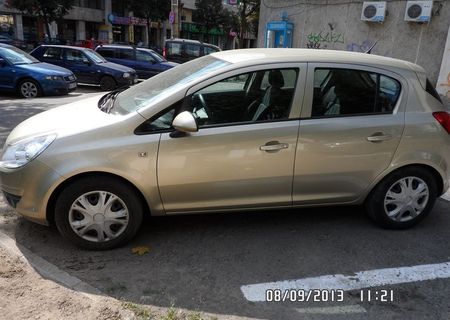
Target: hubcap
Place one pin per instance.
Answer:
(406, 199)
(98, 216)
(29, 90)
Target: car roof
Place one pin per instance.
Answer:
(192, 41)
(4, 45)
(257, 56)
(63, 46)
(122, 46)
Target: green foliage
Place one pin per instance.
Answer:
(209, 12)
(51, 9)
(152, 10)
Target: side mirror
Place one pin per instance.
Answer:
(87, 62)
(185, 122)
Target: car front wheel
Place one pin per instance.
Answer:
(107, 83)
(98, 213)
(28, 89)
(403, 198)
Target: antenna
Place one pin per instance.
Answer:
(370, 49)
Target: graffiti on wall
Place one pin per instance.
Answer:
(359, 46)
(320, 40)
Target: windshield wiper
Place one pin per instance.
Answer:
(106, 103)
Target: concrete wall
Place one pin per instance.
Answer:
(337, 25)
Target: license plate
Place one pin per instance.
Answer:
(72, 85)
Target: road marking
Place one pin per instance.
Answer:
(354, 308)
(360, 280)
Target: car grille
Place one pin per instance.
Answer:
(70, 78)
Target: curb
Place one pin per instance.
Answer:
(48, 270)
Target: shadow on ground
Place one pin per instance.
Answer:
(200, 262)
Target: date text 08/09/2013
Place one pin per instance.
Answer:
(321, 295)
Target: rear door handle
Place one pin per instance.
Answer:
(273, 146)
(379, 137)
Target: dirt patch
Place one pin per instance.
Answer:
(26, 295)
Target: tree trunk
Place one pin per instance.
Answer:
(243, 26)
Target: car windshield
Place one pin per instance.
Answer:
(157, 56)
(164, 84)
(16, 56)
(94, 56)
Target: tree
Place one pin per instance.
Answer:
(209, 12)
(48, 10)
(150, 10)
(248, 11)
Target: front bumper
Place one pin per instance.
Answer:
(28, 189)
(59, 87)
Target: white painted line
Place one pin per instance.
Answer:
(360, 280)
(354, 308)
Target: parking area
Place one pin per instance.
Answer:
(222, 263)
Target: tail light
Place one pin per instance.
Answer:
(444, 119)
(165, 52)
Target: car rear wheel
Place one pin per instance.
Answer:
(107, 83)
(403, 198)
(98, 213)
(28, 89)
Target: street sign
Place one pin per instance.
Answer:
(172, 17)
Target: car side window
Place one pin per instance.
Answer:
(192, 50)
(236, 100)
(126, 54)
(52, 53)
(341, 92)
(144, 56)
(106, 53)
(209, 50)
(174, 49)
(76, 56)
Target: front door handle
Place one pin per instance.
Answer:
(273, 146)
(379, 137)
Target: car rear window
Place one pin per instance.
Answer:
(343, 92)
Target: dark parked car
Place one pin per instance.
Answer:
(88, 66)
(22, 73)
(183, 50)
(14, 42)
(146, 62)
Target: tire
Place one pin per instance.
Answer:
(403, 198)
(107, 83)
(28, 88)
(79, 218)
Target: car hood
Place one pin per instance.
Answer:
(73, 118)
(116, 67)
(45, 68)
(169, 64)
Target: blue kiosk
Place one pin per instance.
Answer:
(279, 34)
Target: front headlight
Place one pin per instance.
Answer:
(55, 78)
(126, 75)
(23, 151)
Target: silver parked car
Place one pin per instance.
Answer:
(236, 130)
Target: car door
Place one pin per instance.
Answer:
(76, 61)
(231, 162)
(146, 66)
(7, 74)
(52, 55)
(351, 125)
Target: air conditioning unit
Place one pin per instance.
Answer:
(373, 11)
(418, 11)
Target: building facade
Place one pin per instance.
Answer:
(339, 25)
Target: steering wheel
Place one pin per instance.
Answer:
(208, 111)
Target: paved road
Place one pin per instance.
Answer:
(203, 262)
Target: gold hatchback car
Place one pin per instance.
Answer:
(235, 130)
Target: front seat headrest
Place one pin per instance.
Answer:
(276, 78)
